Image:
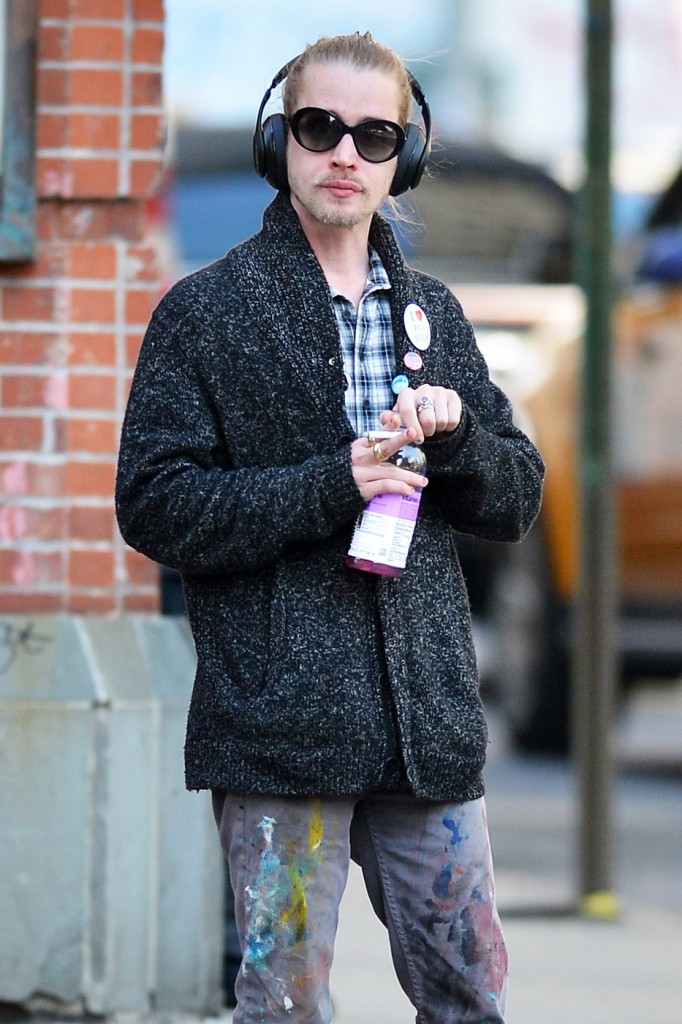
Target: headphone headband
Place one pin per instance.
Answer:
(270, 141)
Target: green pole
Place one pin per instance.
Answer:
(596, 611)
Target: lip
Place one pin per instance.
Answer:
(342, 187)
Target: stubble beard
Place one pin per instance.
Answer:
(324, 209)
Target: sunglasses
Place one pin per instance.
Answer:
(319, 130)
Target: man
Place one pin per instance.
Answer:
(335, 712)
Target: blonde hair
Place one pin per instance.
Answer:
(363, 52)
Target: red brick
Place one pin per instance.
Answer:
(23, 391)
(53, 131)
(23, 348)
(147, 131)
(92, 435)
(92, 305)
(54, 86)
(45, 480)
(28, 568)
(90, 523)
(92, 260)
(28, 303)
(53, 43)
(94, 131)
(92, 391)
(148, 46)
(147, 89)
(97, 86)
(146, 177)
(93, 221)
(87, 603)
(46, 524)
(92, 349)
(140, 570)
(49, 262)
(31, 603)
(94, 178)
(133, 345)
(140, 305)
(147, 602)
(55, 177)
(90, 478)
(91, 568)
(21, 433)
(97, 43)
(97, 10)
(142, 264)
(148, 10)
(54, 9)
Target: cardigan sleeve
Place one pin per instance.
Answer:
(486, 478)
(181, 502)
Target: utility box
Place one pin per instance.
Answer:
(112, 894)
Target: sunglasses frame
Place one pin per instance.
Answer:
(295, 119)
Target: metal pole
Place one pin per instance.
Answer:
(594, 650)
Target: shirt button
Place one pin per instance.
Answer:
(332, 361)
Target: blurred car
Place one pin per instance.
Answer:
(531, 338)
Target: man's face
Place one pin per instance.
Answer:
(338, 187)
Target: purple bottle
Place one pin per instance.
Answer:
(384, 529)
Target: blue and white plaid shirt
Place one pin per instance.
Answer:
(367, 348)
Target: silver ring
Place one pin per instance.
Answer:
(425, 403)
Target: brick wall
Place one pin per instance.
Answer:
(71, 321)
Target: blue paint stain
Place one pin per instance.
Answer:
(453, 826)
(442, 883)
(477, 896)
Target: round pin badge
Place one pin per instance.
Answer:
(413, 361)
(417, 326)
(399, 383)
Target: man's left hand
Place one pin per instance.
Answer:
(428, 410)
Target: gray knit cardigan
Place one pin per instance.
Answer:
(235, 469)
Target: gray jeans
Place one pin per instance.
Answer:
(428, 872)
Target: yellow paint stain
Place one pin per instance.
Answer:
(298, 870)
(316, 830)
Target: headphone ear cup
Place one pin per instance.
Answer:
(270, 150)
(411, 160)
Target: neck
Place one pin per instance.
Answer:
(341, 252)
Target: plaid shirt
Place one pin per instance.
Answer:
(367, 348)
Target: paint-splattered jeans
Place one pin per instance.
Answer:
(428, 872)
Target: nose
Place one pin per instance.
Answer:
(344, 151)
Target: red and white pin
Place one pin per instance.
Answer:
(417, 326)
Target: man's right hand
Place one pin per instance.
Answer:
(373, 475)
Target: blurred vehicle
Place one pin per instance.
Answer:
(531, 339)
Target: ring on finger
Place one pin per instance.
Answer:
(425, 403)
(379, 454)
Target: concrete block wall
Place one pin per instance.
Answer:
(111, 900)
(71, 320)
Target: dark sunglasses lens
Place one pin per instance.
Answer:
(317, 130)
(377, 141)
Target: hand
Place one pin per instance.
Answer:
(428, 411)
(374, 475)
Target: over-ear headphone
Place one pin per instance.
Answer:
(270, 142)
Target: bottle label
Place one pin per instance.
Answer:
(384, 529)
